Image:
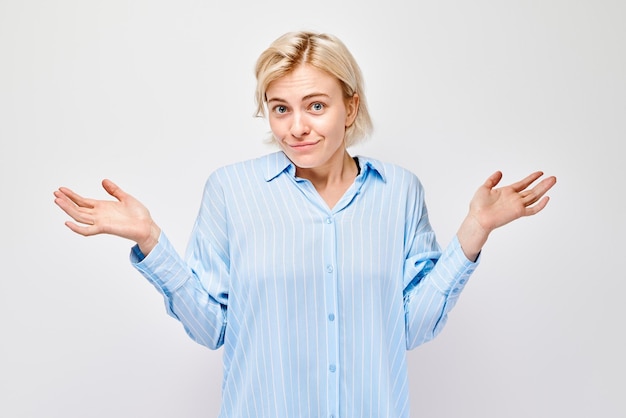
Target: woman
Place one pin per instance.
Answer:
(315, 270)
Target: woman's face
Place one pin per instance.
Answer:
(308, 116)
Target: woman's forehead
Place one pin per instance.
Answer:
(305, 80)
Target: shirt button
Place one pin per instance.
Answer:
(329, 220)
(329, 268)
(331, 317)
(462, 281)
(455, 290)
(332, 368)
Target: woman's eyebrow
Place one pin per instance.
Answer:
(307, 97)
(310, 96)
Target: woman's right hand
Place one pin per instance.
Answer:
(125, 217)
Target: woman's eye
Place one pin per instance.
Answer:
(317, 107)
(280, 109)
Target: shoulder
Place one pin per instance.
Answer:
(390, 173)
(250, 176)
(258, 167)
(247, 164)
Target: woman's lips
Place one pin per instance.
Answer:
(303, 146)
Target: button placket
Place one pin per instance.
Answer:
(331, 297)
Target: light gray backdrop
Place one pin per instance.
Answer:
(155, 95)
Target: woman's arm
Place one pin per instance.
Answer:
(201, 308)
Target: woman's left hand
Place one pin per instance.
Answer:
(494, 207)
(491, 208)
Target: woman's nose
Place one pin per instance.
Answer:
(299, 126)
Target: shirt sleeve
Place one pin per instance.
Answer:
(195, 288)
(429, 298)
(433, 279)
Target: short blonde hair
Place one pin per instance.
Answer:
(325, 52)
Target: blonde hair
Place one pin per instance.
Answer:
(325, 52)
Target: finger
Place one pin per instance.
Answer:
(544, 185)
(532, 210)
(78, 213)
(76, 198)
(493, 180)
(82, 230)
(527, 181)
(531, 196)
(528, 197)
(113, 189)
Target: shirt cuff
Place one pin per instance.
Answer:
(163, 266)
(453, 269)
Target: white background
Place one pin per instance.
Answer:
(155, 95)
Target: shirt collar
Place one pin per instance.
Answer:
(278, 163)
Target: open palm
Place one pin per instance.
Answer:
(494, 207)
(124, 217)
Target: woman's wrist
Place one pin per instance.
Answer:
(472, 237)
(146, 245)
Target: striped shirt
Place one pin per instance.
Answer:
(315, 306)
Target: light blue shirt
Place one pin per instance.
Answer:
(315, 306)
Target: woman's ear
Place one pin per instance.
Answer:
(352, 108)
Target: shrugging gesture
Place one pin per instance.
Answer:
(311, 244)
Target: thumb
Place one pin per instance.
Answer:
(493, 180)
(112, 189)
